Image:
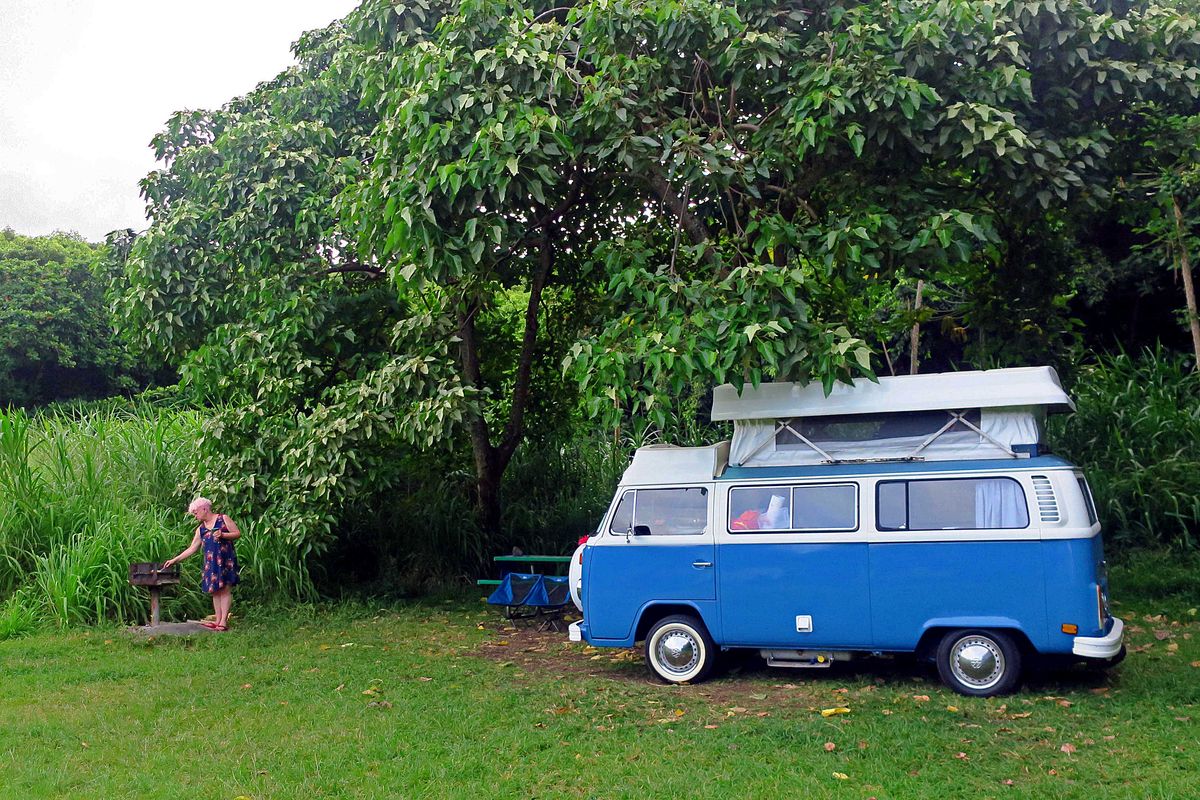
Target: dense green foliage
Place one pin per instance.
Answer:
(398, 245)
(1164, 204)
(1135, 434)
(88, 493)
(56, 331)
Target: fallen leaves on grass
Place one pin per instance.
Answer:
(830, 747)
(921, 698)
(1068, 748)
(841, 776)
(829, 712)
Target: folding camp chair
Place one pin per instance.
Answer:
(527, 596)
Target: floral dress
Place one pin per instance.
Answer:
(220, 562)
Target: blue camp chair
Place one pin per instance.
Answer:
(525, 596)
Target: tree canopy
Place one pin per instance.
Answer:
(453, 219)
(57, 340)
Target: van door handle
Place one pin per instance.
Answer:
(701, 564)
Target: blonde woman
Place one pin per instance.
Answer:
(216, 534)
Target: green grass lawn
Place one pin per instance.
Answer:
(438, 699)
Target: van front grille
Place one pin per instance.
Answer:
(1047, 503)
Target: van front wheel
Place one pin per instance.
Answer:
(679, 649)
(979, 663)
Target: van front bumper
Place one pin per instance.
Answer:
(1107, 646)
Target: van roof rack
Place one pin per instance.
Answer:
(941, 391)
(938, 416)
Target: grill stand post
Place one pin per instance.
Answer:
(155, 594)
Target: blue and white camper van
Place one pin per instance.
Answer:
(917, 514)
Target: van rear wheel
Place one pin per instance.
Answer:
(679, 649)
(979, 663)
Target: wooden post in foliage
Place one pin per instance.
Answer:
(1189, 290)
(914, 348)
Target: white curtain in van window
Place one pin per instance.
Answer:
(1000, 503)
(752, 438)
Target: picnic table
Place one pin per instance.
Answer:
(529, 561)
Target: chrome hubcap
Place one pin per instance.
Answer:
(977, 662)
(677, 651)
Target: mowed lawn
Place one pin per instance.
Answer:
(438, 699)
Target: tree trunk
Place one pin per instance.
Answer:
(491, 460)
(1189, 290)
(487, 476)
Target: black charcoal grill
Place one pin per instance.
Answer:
(152, 575)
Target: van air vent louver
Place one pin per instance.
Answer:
(1046, 501)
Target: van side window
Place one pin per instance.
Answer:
(664, 511)
(951, 504)
(824, 507)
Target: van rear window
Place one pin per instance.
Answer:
(951, 504)
(1087, 499)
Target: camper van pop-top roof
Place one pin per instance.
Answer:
(990, 414)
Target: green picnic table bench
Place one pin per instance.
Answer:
(530, 561)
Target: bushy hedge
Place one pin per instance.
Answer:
(1136, 432)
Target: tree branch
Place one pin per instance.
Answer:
(691, 224)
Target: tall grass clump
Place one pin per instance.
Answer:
(1136, 433)
(84, 492)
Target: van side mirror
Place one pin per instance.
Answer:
(641, 530)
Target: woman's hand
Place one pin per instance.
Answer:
(170, 562)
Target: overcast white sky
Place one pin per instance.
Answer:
(85, 84)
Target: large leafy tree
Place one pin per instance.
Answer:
(407, 235)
